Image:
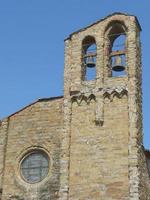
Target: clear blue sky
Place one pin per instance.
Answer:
(32, 47)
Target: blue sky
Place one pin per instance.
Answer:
(32, 36)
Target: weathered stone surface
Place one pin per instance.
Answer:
(93, 135)
(38, 126)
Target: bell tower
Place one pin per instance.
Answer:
(102, 137)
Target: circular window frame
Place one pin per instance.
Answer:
(28, 152)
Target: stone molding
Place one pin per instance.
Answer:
(106, 93)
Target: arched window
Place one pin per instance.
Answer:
(89, 59)
(117, 50)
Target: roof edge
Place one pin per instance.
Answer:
(38, 100)
(100, 20)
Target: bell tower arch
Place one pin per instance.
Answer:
(89, 52)
(103, 114)
(116, 37)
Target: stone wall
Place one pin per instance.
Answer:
(39, 126)
(3, 140)
(99, 154)
(144, 176)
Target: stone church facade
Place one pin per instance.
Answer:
(87, 144)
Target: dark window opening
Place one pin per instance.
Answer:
(89, 59)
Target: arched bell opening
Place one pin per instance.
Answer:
(117, 51)
(89, 58)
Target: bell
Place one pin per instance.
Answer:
(118, 66)
(90, 62)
